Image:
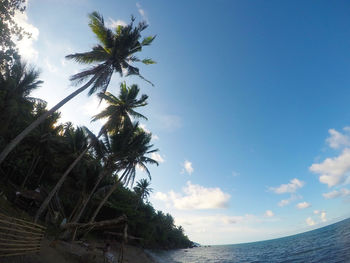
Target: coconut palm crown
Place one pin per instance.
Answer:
(121, 108)
(115, 52)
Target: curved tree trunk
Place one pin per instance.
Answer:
(104, 200)
(11, 145)
(86, 201)
(46, 202)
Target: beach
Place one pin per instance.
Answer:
(64, 252)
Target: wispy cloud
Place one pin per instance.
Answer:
(336, 193)
(195, 197)
(52, 68)
(269, 213)
(291, 199)
(157, 157)
(187, 167)
(337, 139)
(142, 12)
(169, 122)
(234, 174)
(303, 205)
(291, 187)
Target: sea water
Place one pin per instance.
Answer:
(328, 244)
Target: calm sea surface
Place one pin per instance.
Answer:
(328, 244)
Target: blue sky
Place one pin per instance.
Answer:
(250, 108)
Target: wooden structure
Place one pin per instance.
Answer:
(19, 237)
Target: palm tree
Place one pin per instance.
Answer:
(143, 190)
(114, 53)
(121, 108)
(77, 141)
(16, 85)
(133, 145)
(117, 113)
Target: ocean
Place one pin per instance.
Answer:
(328, 244)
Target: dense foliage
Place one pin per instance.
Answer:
(60, 171)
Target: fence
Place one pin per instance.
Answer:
(19, 237)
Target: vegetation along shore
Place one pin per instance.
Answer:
(79, 185)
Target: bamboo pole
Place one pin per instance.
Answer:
(20, 225)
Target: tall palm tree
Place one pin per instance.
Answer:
(142, 189)
(114, 53)
(117, 113)
(133, 147)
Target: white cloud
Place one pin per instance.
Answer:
(225, 229)
(195, 197)
(336, 193)
(161, 196)
(115, 23)
(338, 139)
(269, 213)
(316, 212)
(157, 157)
(323, 216)
(333, 171)
(142, 12)
(25, 46)
(291, 187)
(310, 221)
(187, 166)
(292, 198)
(303, 205)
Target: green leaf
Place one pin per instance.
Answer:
(147, 40)
(148, 61)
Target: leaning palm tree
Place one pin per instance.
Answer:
(133, 149)
(118, 114)
(114, 53)
(77, 141)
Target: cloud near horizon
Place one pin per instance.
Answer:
(195, 197)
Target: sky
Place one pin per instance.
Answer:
(250, 108)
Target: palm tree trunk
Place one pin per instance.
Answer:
(11, 145)
(104, 200)
(86, 201)
(46, 202)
